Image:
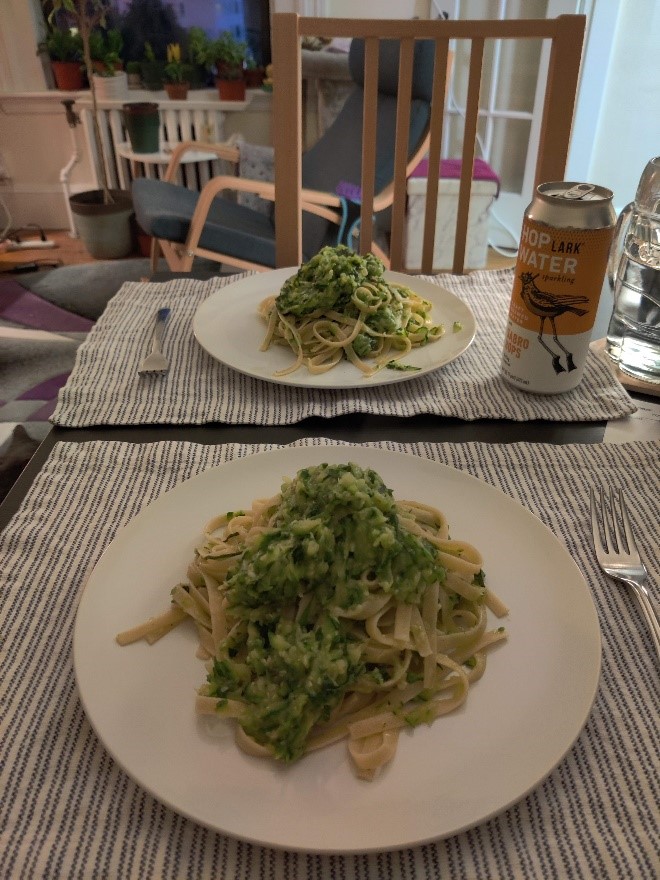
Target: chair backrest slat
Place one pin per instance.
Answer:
(467, 158)
(287, 139)
(440, 76)
(561, 90)
(406, 58)
(370, 110)
(566, 34)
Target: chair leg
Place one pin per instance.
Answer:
(173, 256)
(155, 254)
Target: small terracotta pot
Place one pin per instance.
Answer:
(177, 91)
(68, 75)
(231, 89)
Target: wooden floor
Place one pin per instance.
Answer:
(71, 251)
(67, 251)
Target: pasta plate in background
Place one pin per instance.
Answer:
(338, 306)
(229, 327)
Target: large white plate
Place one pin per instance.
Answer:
(228, 326)
(518, 722)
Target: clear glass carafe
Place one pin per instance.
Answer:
(633, 337)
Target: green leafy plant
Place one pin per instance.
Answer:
(175, 71)
(132, 67)
(88, 15)
(199, 46)
(228, 53)
(105, 48)
(62, 45)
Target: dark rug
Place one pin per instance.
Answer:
(44, 316)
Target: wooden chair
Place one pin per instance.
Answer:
(187, 224)
(566, 34)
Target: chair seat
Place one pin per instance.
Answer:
(164, 210)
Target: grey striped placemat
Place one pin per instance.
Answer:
(68, 811)
(104, 387)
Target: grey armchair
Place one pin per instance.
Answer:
(185, 224)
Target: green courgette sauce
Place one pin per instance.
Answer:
(334, 525)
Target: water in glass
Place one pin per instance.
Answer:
(633, 338)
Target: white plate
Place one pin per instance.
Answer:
(518, 722)
(228, 326)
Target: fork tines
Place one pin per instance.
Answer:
(615, 527)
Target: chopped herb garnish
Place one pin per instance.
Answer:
(404, 368)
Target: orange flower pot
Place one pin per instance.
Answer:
(177, 91)
(68, 75)
(231, 89)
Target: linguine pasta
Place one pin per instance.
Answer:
(339, 305)
(332, 611)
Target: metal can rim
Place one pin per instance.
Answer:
(602, 193)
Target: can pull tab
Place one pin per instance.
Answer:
(579, 191)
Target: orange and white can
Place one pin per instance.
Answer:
(565, 240)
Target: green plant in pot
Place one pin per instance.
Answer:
(176, 84)
(102, 215)
(201, 62)
(152, 70)
(229, 54)
(105, 50)
(65, 51)
(134, 74)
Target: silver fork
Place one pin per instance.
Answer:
(155, 361)
(617, 553)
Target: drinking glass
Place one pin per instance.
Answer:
(633, 337)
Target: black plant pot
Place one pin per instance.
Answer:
(142, 121)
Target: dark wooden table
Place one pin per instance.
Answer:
(357, 428)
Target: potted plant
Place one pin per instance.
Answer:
(134, 75)
(64, 48)
(176, 84)
(199, 56)
(108, 68)
(103, 216)
(228, 53)
(152, 69)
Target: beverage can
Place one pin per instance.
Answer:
(566, 235)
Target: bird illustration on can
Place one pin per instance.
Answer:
(548, 307)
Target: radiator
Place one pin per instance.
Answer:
(201, 121)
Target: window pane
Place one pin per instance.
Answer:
(161, 22)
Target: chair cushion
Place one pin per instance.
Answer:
(165, 210)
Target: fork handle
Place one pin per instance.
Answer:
(648, 610)
(159, 330)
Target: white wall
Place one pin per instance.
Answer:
(20, 68)
(627, 132)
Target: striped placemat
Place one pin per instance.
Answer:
(104, 387)
(68, 811)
